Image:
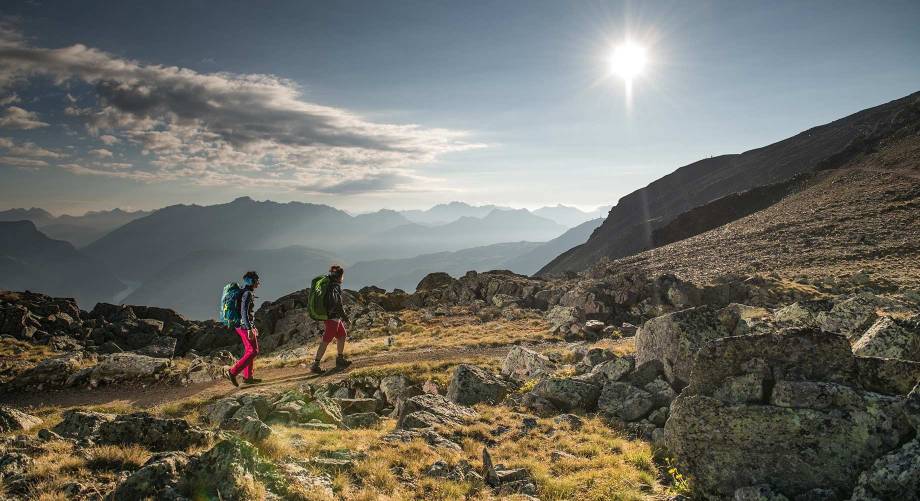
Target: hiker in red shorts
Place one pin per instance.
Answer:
(335, 325)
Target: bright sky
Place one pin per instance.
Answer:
(364, 105)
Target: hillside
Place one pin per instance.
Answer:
(192, 285)
(629, 226)
(29, 260)
(864, 216)
(530, 262)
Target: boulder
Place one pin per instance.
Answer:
(156, 434)
(565, 320)
(674, 339)
(51, 372)
(78, 423)
(361, 420)
(624, 402)
(471, 385)
(254, 430)
(161, 347)
(593, 357)
(423, 411)
(221, 411)
(355, 405)
(13, 420)
(119, 367)
(394, 388)
(614, 369)
(853, 316)
(322, 409)
(522, 364)
(893, 476)
(808, 313)
(158, 479)
(891, 338)
(225, 472)
(812, 426)
(568, 394)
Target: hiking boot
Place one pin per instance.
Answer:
(342, 362)
(252, 380)
(315, 368)
(229, 375)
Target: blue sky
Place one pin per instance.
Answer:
(364, 105)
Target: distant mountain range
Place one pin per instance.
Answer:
(78, 230)
(192, 284)
(29, 260)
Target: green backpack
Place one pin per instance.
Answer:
(316, 302)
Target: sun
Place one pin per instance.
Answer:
(628, 60)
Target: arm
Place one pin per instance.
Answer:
(245, 321)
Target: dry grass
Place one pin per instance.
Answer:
(437, 371)
(117, 457)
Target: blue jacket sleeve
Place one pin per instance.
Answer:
(245, 301)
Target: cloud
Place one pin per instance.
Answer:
(9, 99)
(15, 117)
(101, 153)
(28, 150)
(223, 128)
(108, 140)
(22, 162)
(383, 181)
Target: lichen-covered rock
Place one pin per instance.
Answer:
(426, 410)
(853, 316)
(254, 430)
(156, 434)
(158, 479)
(49, 373)
(355, 405)
(591, 358)
(568, 394)
(565, 320)
(322, 409)
(522, 364)
(624, 402)
(615, 369)
(813, 426)
(78, 423)
(221, 411)
(891, 338)
(128, 367)
(758, 493)
(361, 420)
(674, 339)
(227, 470)
(895, 475)
(471, 385)
(13, 420)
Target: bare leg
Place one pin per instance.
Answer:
(340, 345)
(321, 350)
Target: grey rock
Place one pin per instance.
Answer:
(156, 434)
(674, 339)
(119, 367)
(77, 423)
(13, 420)
(895, 475)
(158, 479)
(356, 405)
(361, 420)
(522, 364)
(622, 401)
(568, 394)
(254, 430)
(472, 385)
(423, 411)
(891, 338)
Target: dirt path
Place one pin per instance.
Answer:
(274, 379)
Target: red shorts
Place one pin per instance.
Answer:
(335, 329)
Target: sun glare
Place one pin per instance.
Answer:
(628, 60)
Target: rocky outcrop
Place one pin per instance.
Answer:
(891, 338)
(789, 410)
(158, 479)
(893, 476)
(522, 364)
(674, 339)
(568, 394)
(471, 385)
(425, 411)
(156, 434)
(13, 420)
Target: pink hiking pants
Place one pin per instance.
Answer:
(251, 349)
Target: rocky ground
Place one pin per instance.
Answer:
(603, 385)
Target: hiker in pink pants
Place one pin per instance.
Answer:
(247, 332)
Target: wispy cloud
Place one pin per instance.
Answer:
(15, 117)
(223, 128)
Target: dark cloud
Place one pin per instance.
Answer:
(228, 128)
